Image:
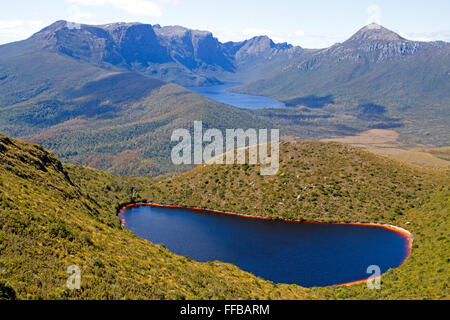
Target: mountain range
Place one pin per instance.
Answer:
(375, 63)
(374, 74)
(173, 53)
(61, 88)
(109, 96)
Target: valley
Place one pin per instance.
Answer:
(375, 75)
(108, 105)
(221, 93)
(87, 116)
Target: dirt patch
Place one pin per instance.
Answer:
(422, 158)
(385, 142)
(379, 141)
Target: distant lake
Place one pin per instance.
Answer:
(219, 93)
(283, 252)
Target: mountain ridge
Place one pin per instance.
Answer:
(73, 102)
(408, 79)
(170, 53)
(111, 118)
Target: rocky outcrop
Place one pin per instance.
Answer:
(171, 53)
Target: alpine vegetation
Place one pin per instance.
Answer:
(209, 146)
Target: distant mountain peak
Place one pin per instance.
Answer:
(261, 40)
(375, 32)
(54, 26)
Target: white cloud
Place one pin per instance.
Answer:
(75, 14)
(427, 36)
(254, 32)
(300, 33)
(374, 12)
(13, 30)
(227, 35)
(134, 7)
(241, 35)
(172, 2)
(295, 38)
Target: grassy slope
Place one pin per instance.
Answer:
(52, 217)
(28, 72)
(332, 182)
(425, 274)
(49, 224)
(136, 139)
(316, 181)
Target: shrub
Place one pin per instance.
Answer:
(6, 292)
(59, 230)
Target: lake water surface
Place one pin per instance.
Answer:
(283, 252)
(244, 101)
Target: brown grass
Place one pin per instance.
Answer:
(386, 142)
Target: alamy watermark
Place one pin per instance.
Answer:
(73, 25)
(74, 280)
(211, 147)
(374, 281)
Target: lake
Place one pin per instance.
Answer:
(219, 93)
(306, 254)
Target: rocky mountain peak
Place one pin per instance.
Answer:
(375, 32)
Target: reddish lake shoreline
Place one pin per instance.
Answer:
(404, 233)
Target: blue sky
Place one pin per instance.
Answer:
(311, 24)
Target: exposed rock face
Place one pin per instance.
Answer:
(375, 32)
(169, 53)
(371, 44)
(374, 67)
(257, 47)
(193, 48)
(140, 44)
(117, 44)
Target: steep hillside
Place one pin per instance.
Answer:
(54, 216)
(376, 75)
(316, 181)
(118, 121)
(27, 72)
(130, 135)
